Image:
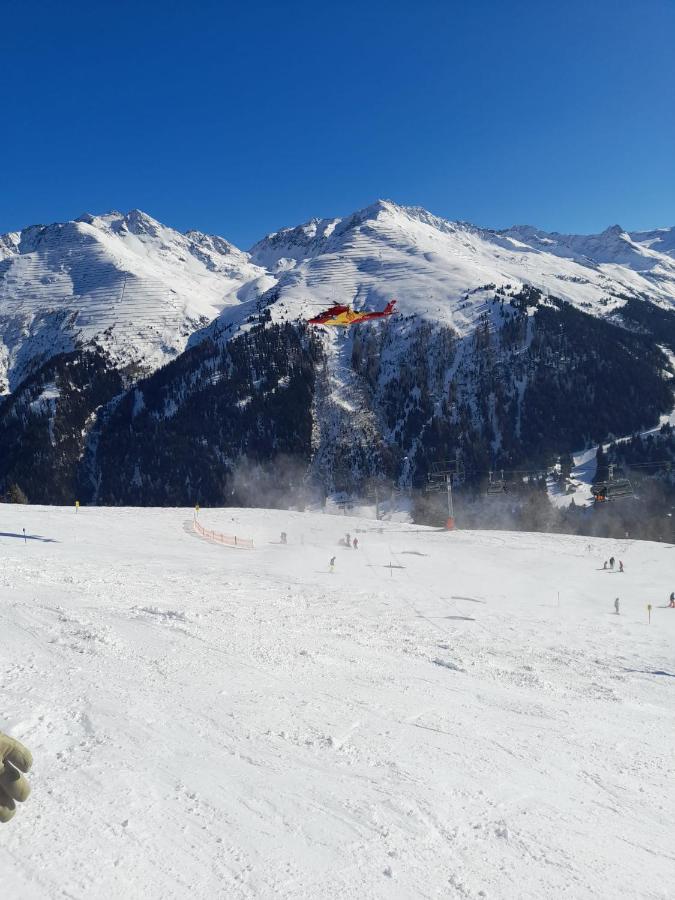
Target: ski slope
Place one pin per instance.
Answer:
(456, 715)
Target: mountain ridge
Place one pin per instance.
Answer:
(143, 364)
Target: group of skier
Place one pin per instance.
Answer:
(346, 541)
(608, 565)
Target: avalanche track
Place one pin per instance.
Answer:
(456, 715)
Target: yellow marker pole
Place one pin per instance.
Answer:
(196, 511)
(649, 613)
(77, 506)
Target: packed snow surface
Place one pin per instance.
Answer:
(445, 715)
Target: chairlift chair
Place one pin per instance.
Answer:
(612, 489)
(496, 485)
(618, 488)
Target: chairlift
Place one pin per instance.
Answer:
(612, 489)
(496, 485)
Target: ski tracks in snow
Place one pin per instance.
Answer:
(248, 725)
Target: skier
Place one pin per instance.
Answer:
(14, 759)
(283, 537)
(604, 565)
(620, 566)
(611, 562)
(348, 540)
(355, 543)
(332, 564)
(671, 605)
(616, 606)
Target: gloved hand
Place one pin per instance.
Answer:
(14, 759)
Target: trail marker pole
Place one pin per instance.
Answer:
(77, 506)
(649, 614)
(24, 537)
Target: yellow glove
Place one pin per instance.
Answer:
(14, 759)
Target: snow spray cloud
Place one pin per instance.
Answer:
(280, 483)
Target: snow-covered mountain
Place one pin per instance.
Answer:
(434, 267)
(145, 364)
(139, 290)
(661, 240)
(124, 283)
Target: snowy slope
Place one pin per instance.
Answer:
(614, 246)
(472, 722)
(435, 268)
(578, 487)
(131, 285)
(140, 290)
(659, 239)
(444, 274)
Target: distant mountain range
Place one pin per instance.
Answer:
(142, 365)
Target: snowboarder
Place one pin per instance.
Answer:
(620, 566)
(355, 543)
(671, 605)
(332, 564)
(14, 759)
(616, 606)
(611, 562)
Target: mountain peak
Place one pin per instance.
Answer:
(139, 222)
(374, 209)
(614, 231)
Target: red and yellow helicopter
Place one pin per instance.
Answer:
(344, 316)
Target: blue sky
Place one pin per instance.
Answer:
(241, 118)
